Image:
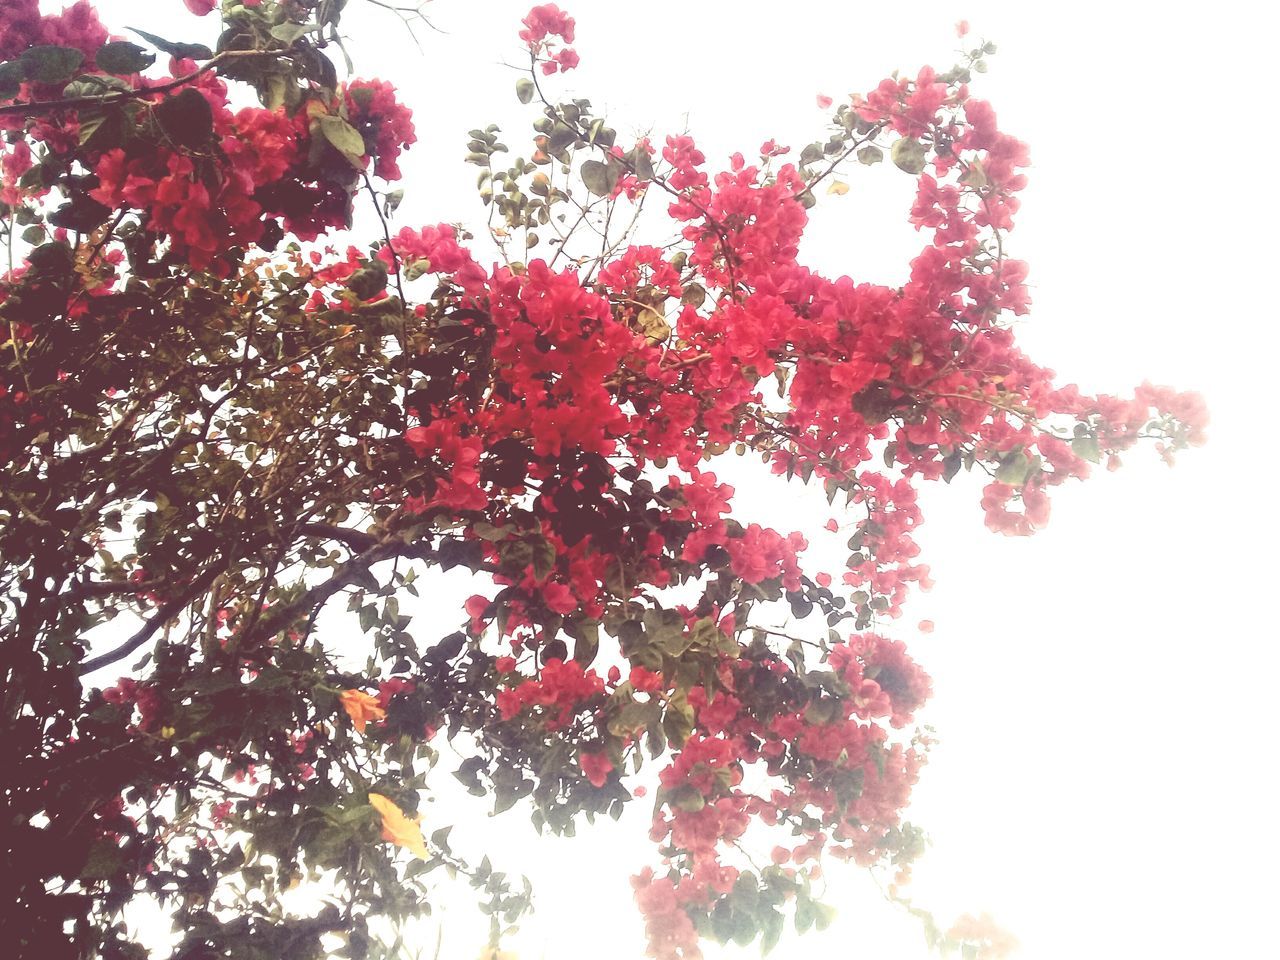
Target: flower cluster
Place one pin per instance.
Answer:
(542, 23)
(561, 690)
(550, 424)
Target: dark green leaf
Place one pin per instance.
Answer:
(586, 639)
(599, 178)
(183, 51)
(82, 213)
(525, 90)
(186, 118)
(51, 64)
(12, 73)
(123, 57)
(695, 295)
(440, 838)
(104, 860)
(640, 163)
(951, 465)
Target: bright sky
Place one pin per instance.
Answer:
(1104, 785)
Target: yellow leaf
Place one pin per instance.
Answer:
(397, 828)
(838, 187)
(361, 708)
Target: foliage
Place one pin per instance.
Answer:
(210, 427)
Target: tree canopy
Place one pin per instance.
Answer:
(221, 412)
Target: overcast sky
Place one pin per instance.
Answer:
(1104, 689)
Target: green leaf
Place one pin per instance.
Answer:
(123, 57)
(804, 914)
(705, 634)
(632, 718)
(600, 134)
(82, 214)
(369, 281)
(773, 923)
(696, 295)
(975, 176)
(653, 325)
(586, 639)
(12, 73)
(951, 465)
(105, 859)
(544, 558)
(95, 85)
(183, 51)
(525, 90)
(288, 33)
(343, 137)
(640, 163)
(51, 64)
(677, 721)
(1016, 467)
(687, 797)
(487, 531)
(186, 118)
(104, 129)
(870, 154)
(440, 838)
(1087, 448)
(909, 155)
(599, 178)
(561, 137)
(824, 913)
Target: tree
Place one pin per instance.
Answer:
(211, 427)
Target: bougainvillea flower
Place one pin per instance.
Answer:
(597, 767)
(397, 828)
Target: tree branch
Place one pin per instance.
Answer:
(35, 108)
(356, 539)
(163, 615)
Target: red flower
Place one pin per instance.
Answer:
(596, 766)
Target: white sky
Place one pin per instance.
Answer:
(1104, 783)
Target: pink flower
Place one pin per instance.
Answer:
(596, 766)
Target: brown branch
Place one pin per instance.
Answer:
(163, 615)
(278, 618)
(35, 108)
(105, 588)
(356, 539)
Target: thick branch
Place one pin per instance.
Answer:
(35, 108)
(355, 539)
(354, 570)
(166, 612)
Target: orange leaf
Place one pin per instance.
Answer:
(361, 708)
(397, 828)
